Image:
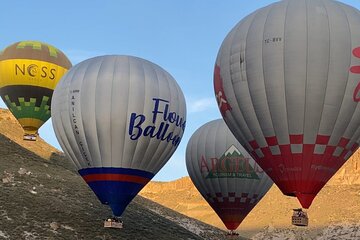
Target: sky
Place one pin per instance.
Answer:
(181, 36)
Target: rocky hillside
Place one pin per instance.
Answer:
(335, 211)
(10, 128)
(43, 197)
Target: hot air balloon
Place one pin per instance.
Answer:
(29, 72)
(119, 119)
(286, 81)
(224, 173)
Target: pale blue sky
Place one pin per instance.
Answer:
(182, 36)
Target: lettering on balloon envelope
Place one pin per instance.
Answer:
(74, 94)
(231, 164)
(161, 124)
(356, 70)
(219, 92)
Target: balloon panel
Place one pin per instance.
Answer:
(283, 73)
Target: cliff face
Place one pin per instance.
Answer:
(336, 205)
(349, 174)
(10, 128)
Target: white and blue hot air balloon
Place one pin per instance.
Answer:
(119, 119)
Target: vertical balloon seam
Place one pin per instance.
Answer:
(188, 153)
(343, 99)
(123, 86)
(61, 142)
(64, 143)
(109, 89)
(85, 65)
(215, 181)
(283, 160)
(132, 62)
(125, 143)
(97, 100)
(135, 85)
(169, 148)
(246, 120)
(65, 84)
(148, 81)
(113, 92)
(142, 140)
(151, 164)
(259, 127)
(201, 135)
(179, 109)
(285, 91)
(152, 80)
(190, 165)
(88, 118)
(348, 75)
(139, 142)
(224, 190)
(166, 151)
(67, 126)
(219, 188)
(304, 163)
(193, 165)
(319, 185)
(236, 100)
(305, 170)
(160, 146)
(212, 185)
(285, 95)
(329, 69)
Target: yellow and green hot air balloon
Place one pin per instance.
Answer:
(29, 72)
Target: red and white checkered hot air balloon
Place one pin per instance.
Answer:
(224, 173)
(287, 84)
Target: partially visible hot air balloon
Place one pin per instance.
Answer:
(224, 173)
(119, 119)
(287, 86)
(29, 72)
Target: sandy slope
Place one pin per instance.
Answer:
(47, 199)
(338, 204)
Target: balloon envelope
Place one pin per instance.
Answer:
(287, 86)
(29, 72)
(224, 173)
(119, 119)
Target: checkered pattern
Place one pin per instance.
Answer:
(321, 148)
(232, 208)
(232, 198)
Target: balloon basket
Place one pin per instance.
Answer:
(232, 234)
(29, 137)
(299, 218)
(113, 223)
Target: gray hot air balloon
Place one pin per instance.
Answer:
(119, 119)
(287, 84)
(224, 173)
